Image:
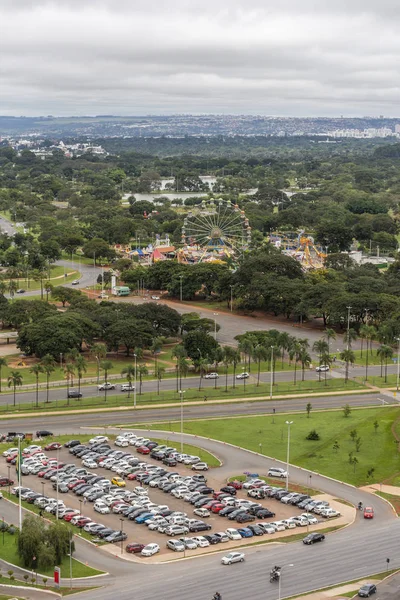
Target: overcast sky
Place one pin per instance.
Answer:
(126, 57)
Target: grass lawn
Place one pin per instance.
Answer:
(394, 500)
(377, 451)
(379, 381)
(373, 359)
(56, 278)
(8, 552)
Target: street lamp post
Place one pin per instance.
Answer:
(180, 287)
(288, 423)
(398, 364)
(181, 392)
(272, 373)
(280, 582)
(215, 326)
(70, 562)
(98, 370)
(80, 506)
(57, 479)
(134, 387)
(122, 531)
(42, 482)
(348, 327)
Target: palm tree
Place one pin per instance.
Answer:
(202, 365)
(218, 357)
(14, 379)
(349, 337)
(106, 365)
(48, 288)
(129, 371)
(81, 368)
(326, 360)
(178, 352)
(329, 335)
(142, 370)
(69, 370)
(235, 360)
(349, 357)
(160, 372)
(384, 352)
(99, 352)
(305, 360)
(247, 347)
(183, 369)
(260, 353)
(294, 352)
(49, 364)
(155, 349)
(3, 363)
(320, 346)
(363, 332)
(37, 370)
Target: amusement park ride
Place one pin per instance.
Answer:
(215, 231)
(301, 247)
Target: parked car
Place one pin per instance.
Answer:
(367, 590)
(200, 466)
(134, 548)
(53, 446)
(232, 557)
(311, 538)
(43, 433)
(176, 545)
(150, 550)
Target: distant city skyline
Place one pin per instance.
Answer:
(241, 57)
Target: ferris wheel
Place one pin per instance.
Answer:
(217, 226)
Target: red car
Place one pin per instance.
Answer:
(75, 483)
(53, 446)
(70, 515)
(142, 450)
(134, 548)
(236, 484)
(368, 512)
(217, 507)
(84, 521)
(210, 504)
(42, 473)
(216, 495)
(131, 476)
(11, 457)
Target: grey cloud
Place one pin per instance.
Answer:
(91, 56)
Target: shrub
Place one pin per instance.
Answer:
(313, 435)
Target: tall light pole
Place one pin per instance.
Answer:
(398, 363)
(215, 326)
(134, 387)
(57, 480)
(348, 327)
(181, 392)
(288, 423)
(122, 531)
(272, 373)
(231, 297)
(279, 584)
(180, 287)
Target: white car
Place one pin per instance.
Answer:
(202, 512)
(106, 386)
(200, 466)
(278, 525)
(232, 557)
(277, 472)
(267, 527)
(243, 376)
(89, 463)
(300, 521)
(190, 544)
(150, 549)
(101, 507)
(233, 534)
(122, 442)
(127, 387)
(310, 518)
(201, 541)
(211, 376)
(329, 513)
(248, 485)
(322, 368)
(10, 451)
(139, 491)
(98, 439)
(289, 524)
(155, 297)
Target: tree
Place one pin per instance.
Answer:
(376, 426)
(142, 371)
(159, 373)
(348, 357)
(202, 365)
(329, 335)
(384, 352)
(3, 363)
(235, 361)
(227, 360)
(96, 248)
(260, 353)
(106, 365)
(358, 444)
(37, 370)
(69, 371)
(64, 294)
(200, 345)
(129, 373)
(308, 409)
(81, 368)
(322, 347)
(15, 380)
(305, 360)
(99, 352)
(349, 336)
(353, 435)
(48, 364)
(335, 446)
(346, 410)
(326, 360)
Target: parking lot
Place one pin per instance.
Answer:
(139, 533)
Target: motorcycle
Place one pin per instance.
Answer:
(275, 574)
